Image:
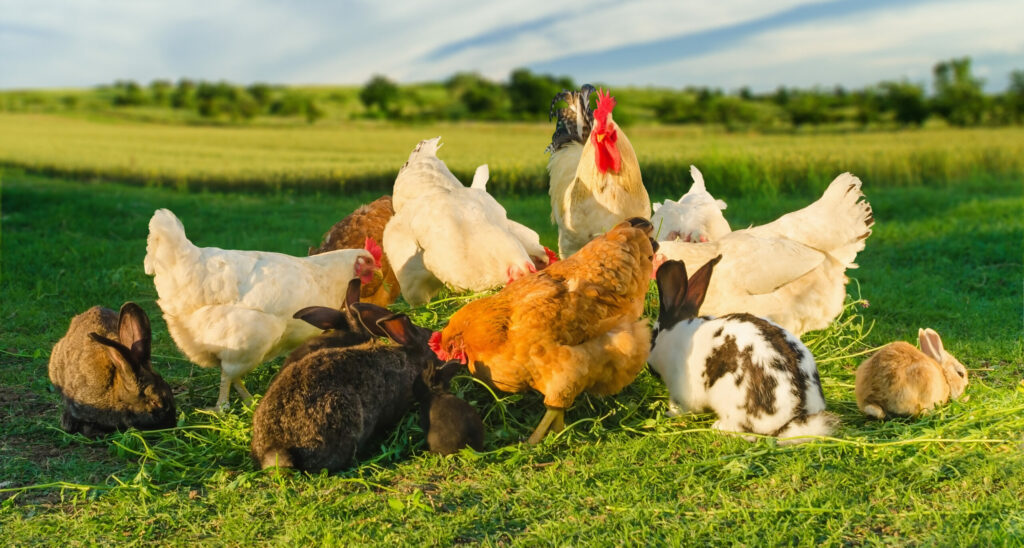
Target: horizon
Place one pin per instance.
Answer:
(51, 44)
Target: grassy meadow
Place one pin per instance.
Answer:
(947, 252)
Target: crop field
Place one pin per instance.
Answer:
(947, 252)
(354, 156)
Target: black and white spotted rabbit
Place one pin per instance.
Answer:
(757, 377)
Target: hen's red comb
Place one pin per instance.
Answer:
(552, 256)
(605, 105)
(435, 345)
(371, 245)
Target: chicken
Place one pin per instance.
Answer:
(574, 326)
(444, 233)
(233, 309)
(595, 179)
(696, 217)
(792, 270)
(366, 223)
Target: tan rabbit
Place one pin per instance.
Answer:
(902, 380)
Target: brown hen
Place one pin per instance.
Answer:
(574, 326)
(367, 221)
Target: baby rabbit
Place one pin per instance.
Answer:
(102, 370)
(902, 380)
(448, 422)
(324, 407)
(754, 375)
(342, 328)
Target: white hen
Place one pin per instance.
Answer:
(444, 233)
(792, 270)
(233, 309)
(696, 217)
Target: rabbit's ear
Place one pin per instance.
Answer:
(446, 372)
(134, 333)
(369, 315)
(352, 293)
(127, 370)
(671, 282)
(930, 343)
(697, 288)
(399, 328)
(322, 317)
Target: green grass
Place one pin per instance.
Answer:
(948, 255)
(364, 155)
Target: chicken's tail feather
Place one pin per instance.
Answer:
(425, 148)
(166, 241)
(574, 121)
(837, 223)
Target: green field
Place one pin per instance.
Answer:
(947, 252)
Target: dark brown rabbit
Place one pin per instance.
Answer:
(102, 370)
(448, 422)
(328, 404)
(342, 327)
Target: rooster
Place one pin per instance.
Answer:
(367, 221)
(696, 217)
(792, 270)
(233, 309)
(444, 233)
(595, 179)
(574, 326)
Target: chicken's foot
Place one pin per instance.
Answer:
(552, 421)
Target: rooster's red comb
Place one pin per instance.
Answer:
(605, 105)
(435, 345)
(371, 245)
(552, 256)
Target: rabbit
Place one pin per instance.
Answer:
(902, 380)
(102, 370)
(448, 422)
(326, 406)
(342, 328)
(756, 376)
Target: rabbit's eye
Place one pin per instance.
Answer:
(961, 373)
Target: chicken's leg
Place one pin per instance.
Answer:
(552, 421)
(240, 388)
(222, 397)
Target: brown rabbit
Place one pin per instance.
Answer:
(448, 422)
(327, 405)
(902, 380)
(102, 370)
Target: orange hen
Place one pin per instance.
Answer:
(367, 221)
(574, 326)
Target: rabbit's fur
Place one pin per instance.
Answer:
(448, 422)
(102, 370)
(329, 403)
(757, 377)
(902, 380)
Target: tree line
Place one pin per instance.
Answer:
(957, 97)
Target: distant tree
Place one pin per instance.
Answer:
(184, 94)
(128, 93)
(958, 95)
(482, 97)
(530, 94)
(160, 91)
(312, 111)
(1014, 97)
(380, 93)
(868, 105)
(261, 93)
(906, 101)
(806, 108)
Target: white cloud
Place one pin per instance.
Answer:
(855, 51)
(85, 42)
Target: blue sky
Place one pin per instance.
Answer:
(725, 43)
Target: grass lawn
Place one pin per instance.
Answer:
(949, 255)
